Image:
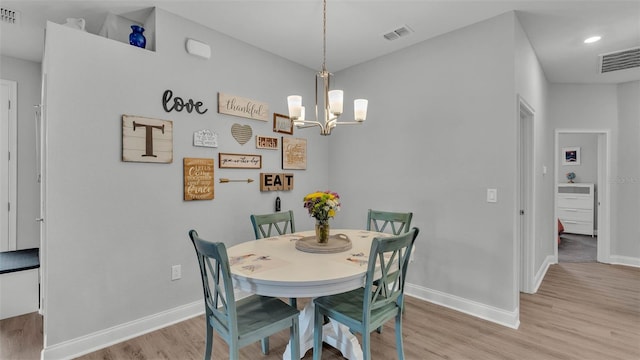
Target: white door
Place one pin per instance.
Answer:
(525, 196)
(8, 158)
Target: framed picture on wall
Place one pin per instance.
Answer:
(294, 153)
(239, 161)
(282, 124)
(571, 156)
(267, 142)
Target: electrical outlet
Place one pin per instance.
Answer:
(176, 272)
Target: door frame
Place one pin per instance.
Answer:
(603, 190)
(12, 160)
(525, 232)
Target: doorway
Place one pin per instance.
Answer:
(8, 167)
(593, 168)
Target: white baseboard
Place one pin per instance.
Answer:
(107, 337)
(499, 316)
(537, 280)
(624, 260)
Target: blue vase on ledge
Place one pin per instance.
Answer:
(136, 38)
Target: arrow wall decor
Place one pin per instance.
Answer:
(224, 180)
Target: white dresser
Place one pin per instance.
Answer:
(575, 207)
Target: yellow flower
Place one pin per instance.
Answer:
(313, 196)
(322, 205)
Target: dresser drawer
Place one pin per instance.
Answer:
(575, 202)
(577, 227)
(575, 214)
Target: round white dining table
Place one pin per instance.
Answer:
(274, 267)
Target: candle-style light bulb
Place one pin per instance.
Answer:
(335, 102)
(360, 109)
(295, 106)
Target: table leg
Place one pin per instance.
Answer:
(333, 333)
(340, 337)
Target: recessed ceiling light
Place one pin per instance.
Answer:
(592, 39)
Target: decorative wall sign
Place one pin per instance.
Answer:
(146, 139)
(282, 124)
(198, 179)
(205, 138)
(239, 106)
(276, 182)
(294, 153)
(267, 142)
(242, 133)
(170, 103)
(239, 161)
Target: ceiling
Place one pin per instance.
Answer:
(355, 28)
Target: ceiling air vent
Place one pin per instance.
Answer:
(398, 33)
(620, 60)
(9, 16)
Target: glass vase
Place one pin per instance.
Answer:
(322, 232)
(136, 38)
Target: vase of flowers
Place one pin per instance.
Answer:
(570, 177)
(322, 205)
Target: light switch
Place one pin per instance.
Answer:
(492, 195)
(544, 170)
(176, 272)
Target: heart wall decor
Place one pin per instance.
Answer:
(242, 133)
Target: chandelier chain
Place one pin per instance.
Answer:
(332, 99)
(324, 35)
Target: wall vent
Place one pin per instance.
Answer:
(620, 60)
(9, 16)
(398, 33)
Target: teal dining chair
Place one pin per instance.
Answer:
(365, 309)
(397, 221)
(241, 322)
(281, 222)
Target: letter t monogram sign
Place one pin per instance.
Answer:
(146, 139)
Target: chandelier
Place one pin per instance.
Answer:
(332, 99)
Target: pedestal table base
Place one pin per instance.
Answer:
(333, 333)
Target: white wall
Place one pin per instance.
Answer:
(113, 228)
(532, 87)
(27, 75)
(441, 129)
(627, 180)
(613, 108)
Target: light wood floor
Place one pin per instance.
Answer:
(582, 311)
